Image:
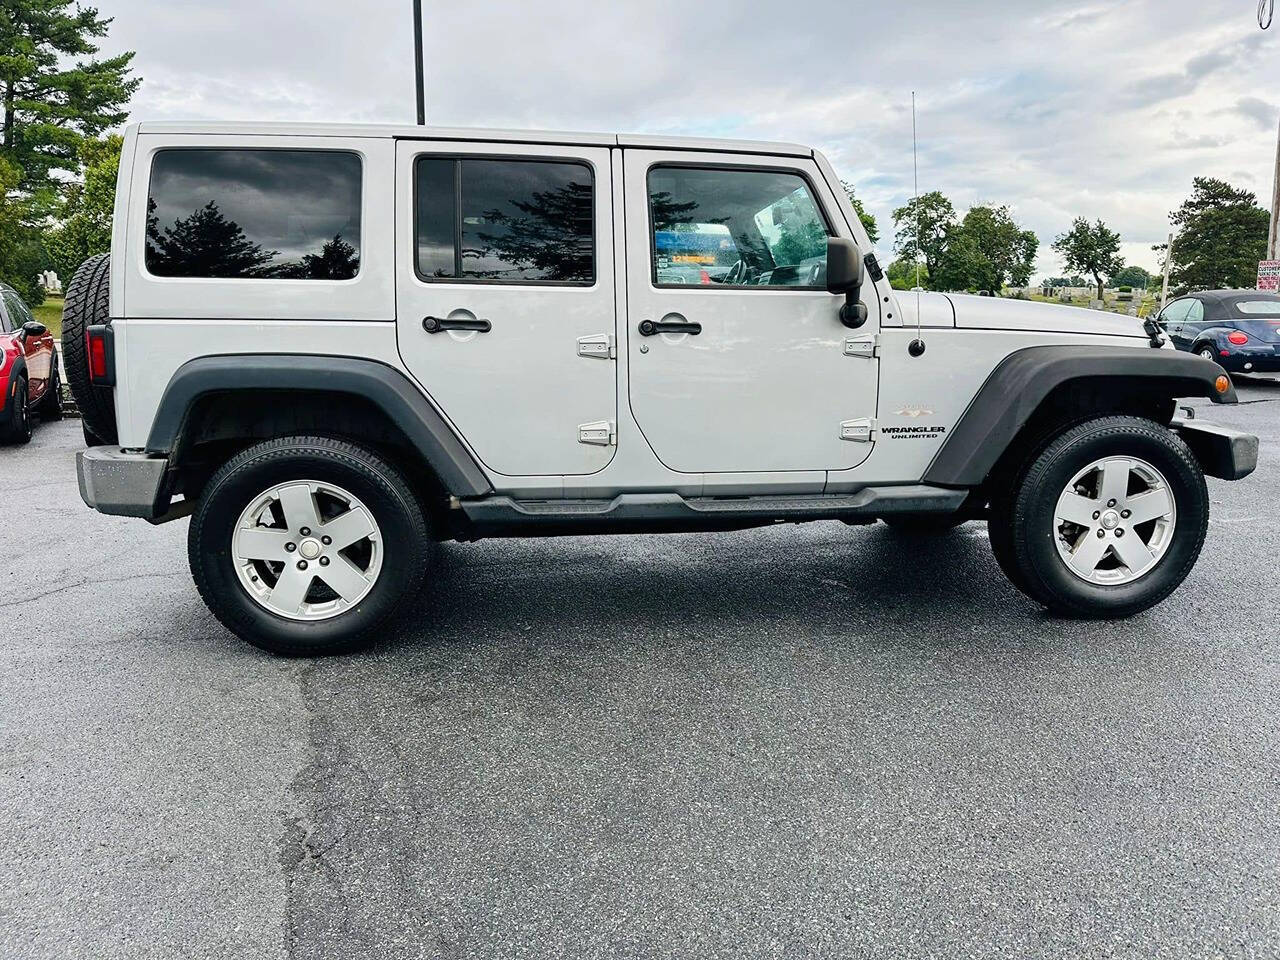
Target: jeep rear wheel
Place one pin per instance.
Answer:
(305, 546)
(1108, 520)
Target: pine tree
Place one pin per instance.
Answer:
(51, 106)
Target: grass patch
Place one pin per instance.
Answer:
(50, 314)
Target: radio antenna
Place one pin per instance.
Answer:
(916, 347)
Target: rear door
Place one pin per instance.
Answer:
(749, 368)
(505, 298)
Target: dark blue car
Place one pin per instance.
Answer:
(1237, 329)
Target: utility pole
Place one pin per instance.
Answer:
(417, 62)
(1168, 259)
(1272, 238)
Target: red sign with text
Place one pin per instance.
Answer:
(1269, 275)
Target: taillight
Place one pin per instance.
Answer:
(101, 350)
(1237, 338)
(97, 357)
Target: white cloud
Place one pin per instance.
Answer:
(1094, 109)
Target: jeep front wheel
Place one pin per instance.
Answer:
(306, 545)
(1108, 520)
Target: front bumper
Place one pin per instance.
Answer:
(1223, 453)
(122, 483)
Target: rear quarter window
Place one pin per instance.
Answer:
(1259, 308)
(253, 214)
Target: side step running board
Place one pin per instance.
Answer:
(671, 511)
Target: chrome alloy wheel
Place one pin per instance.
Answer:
(1114, 521)
(307, 550)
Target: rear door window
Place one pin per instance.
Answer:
(254, 214)
(505, 221)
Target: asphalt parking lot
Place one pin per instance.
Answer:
(812, 740)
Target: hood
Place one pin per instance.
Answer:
(998, 313)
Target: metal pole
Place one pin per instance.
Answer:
(417, 62)
(1168, 259)
(1275, 206)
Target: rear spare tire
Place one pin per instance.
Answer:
(88, 303)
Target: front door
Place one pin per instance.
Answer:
(737, 359)
(505, 298)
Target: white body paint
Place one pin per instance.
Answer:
(754, 405)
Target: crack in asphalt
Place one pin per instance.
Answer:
(303, 847)
(32, 598)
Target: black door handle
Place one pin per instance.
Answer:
(649, 327)
(436, 324)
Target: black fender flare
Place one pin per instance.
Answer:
(1023, 379)
(386, 387)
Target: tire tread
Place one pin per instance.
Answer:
(88, 303)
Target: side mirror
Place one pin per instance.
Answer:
(845, 271)
(34, 328)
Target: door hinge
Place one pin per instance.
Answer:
(599, 345)
(600, 433)
(859, 431)
(865, 347)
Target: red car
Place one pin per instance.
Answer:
(29, 379)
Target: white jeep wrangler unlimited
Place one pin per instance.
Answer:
(331, 345)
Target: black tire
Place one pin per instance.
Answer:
(1208, 353)
(91, 439)
(380, 486)
(88, 303)
(1027, 536)
(925, 524)
(50, 405)
(17, 430)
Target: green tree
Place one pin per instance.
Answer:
(205, 244)
(1091, 248)
(868, 220)
(986, 250)
(20, 252)
(1222, 234)
(85, 218)
(1131, 276)
(52, 102)
(902, 275)
(921, 230)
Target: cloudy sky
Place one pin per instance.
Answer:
(1058, 109)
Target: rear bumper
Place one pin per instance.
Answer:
(1246, 362)
(124, 484)
(1223, 453)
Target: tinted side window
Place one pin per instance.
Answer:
(4, 315)
(505, 221)
(254, 214)
(1195, 312)
(735, 227)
